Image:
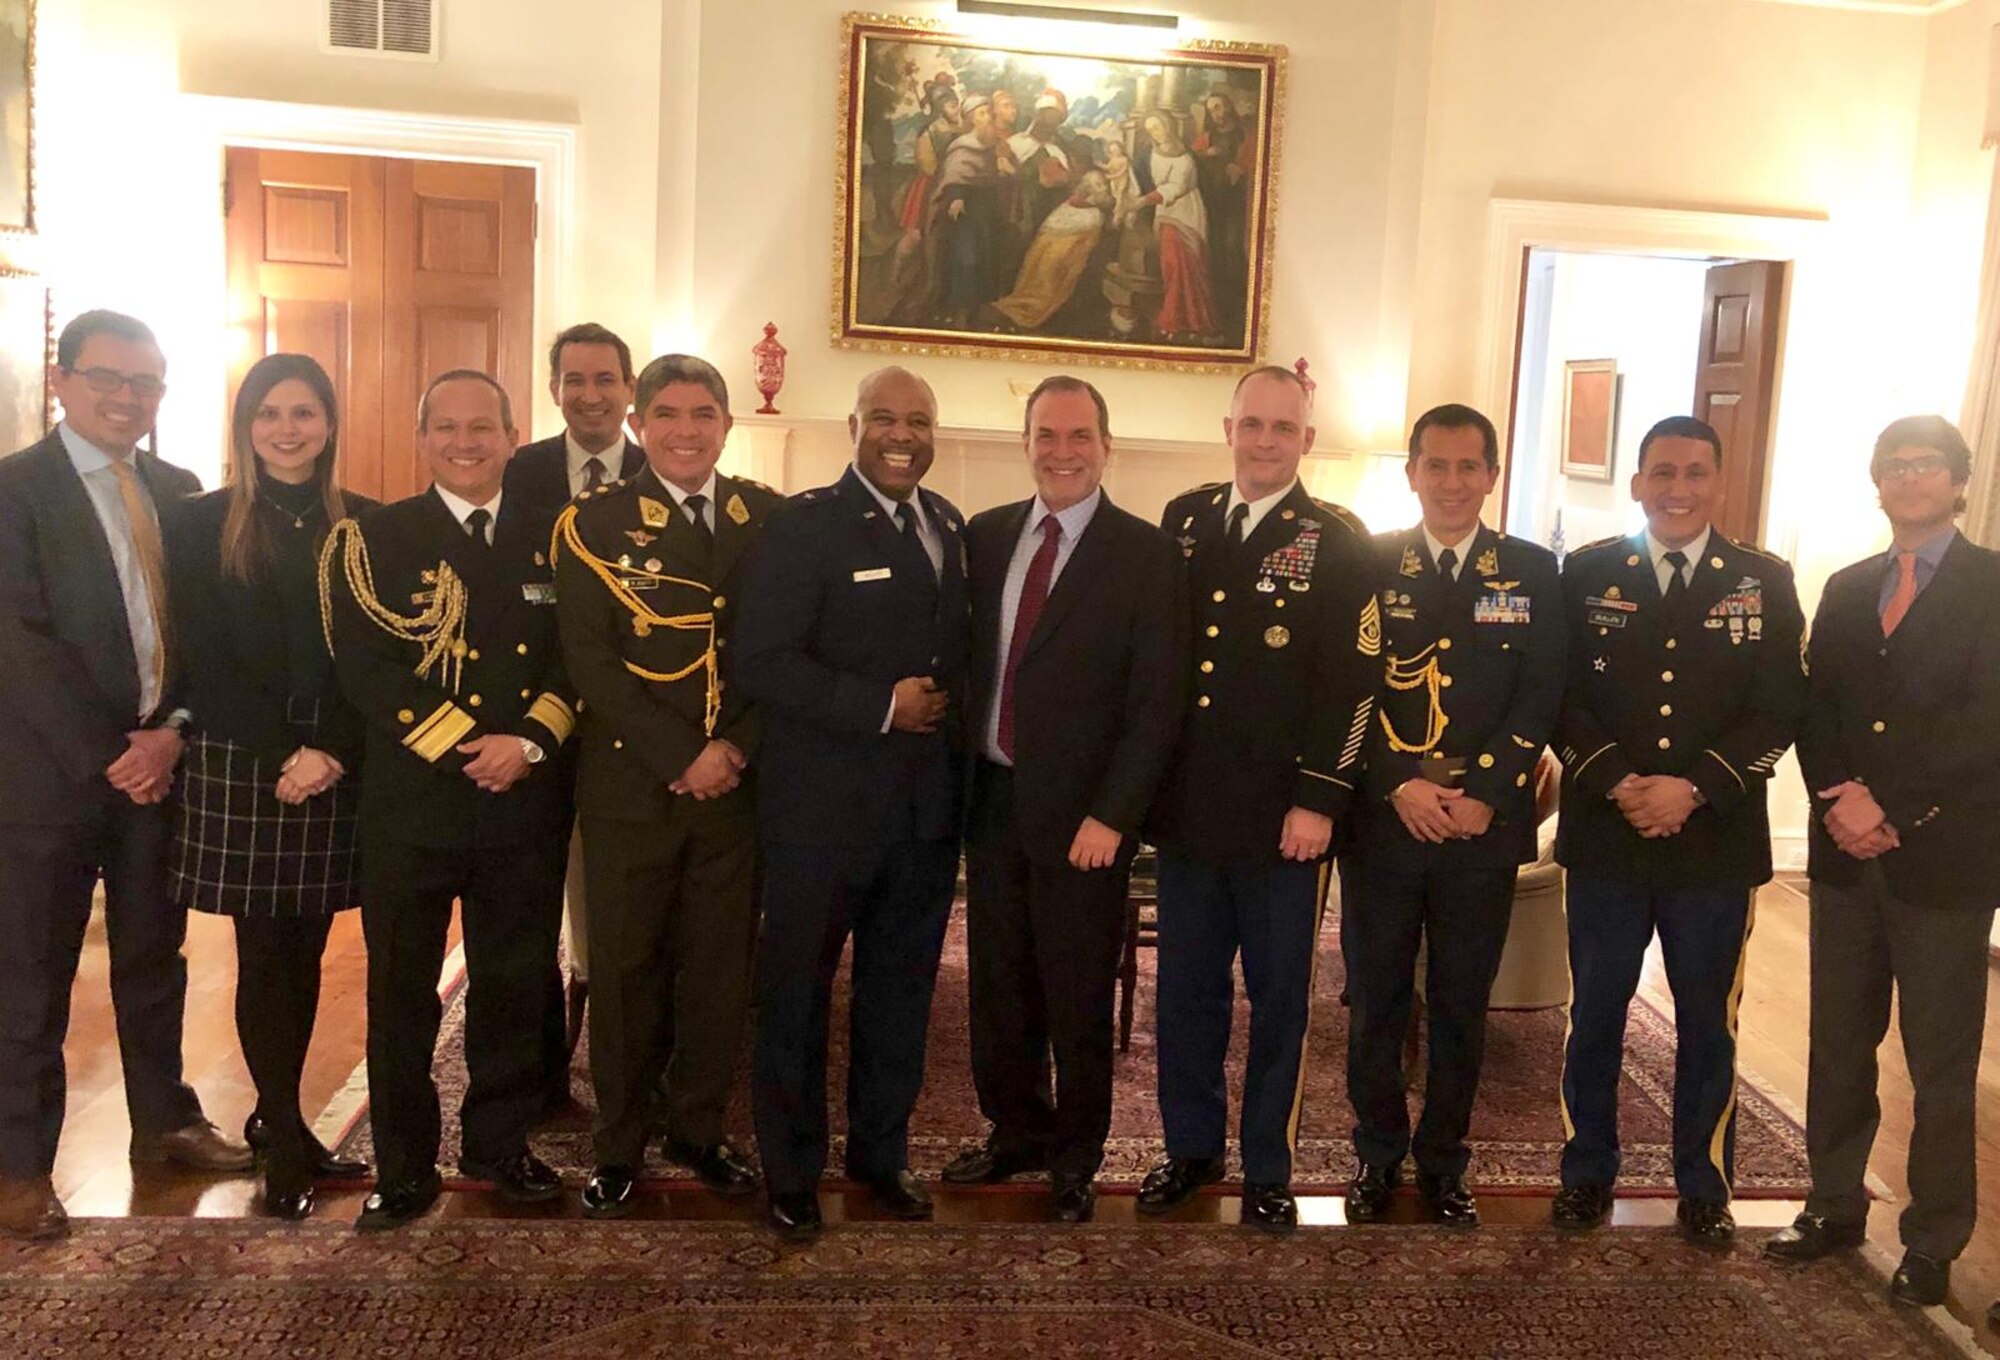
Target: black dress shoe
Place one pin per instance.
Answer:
(1369, 1192)
(1920, 1280)
(719, 1166)
(1578, 1207)
(608, 1192)
(796, 1217)
(902, 1196)
(324, 1164)
(1451, 1205)
(1075, 1198)
(391, 1206)
(1706, 1223)
(1270, 1207)
(989, 1164)
(523, 1178)
(1812, 1236)
(1176, 1181)
(290, 1205)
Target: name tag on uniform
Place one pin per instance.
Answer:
(639, 582)
(539, 592)
(873, 574)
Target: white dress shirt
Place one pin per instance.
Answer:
(1438, 546)
(1663, 570)
(1259, 508)
(927, 533)
(579, 458)
(680, 499)
(100, 482)
(461, 509)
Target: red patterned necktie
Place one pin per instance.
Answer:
(1034, 594)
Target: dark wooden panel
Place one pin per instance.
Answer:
(458, 236)
(1736, 379)
(321, 329)
(457, 337)
(305, 225)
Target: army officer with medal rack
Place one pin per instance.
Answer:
(1686, 686)
(646, 568)
(1471, 683)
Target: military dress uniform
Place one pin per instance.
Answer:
(1284, 660)
(1471, 682)
(645, 584)
(438, 639)
(1708, 686)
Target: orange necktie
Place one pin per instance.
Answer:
(1904, 595)
(152, 557)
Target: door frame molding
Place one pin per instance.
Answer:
(550, 149)
(1516, 225)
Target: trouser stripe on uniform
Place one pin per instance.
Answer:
(1718, 1140)
(1312, 978)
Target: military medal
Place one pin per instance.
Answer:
(652, 564)
(1300, 586)
(1266, 585)
(652, 513)
(640, 538)
(1613, 593)
(1277, 635)
(737, 510)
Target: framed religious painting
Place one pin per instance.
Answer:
(1590, 418)
(27, 345)
(17, 115)
(1006, 201)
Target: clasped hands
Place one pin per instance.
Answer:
(1657, 805)
(307, 774)
(717, 770)
(144, 771)
(1434, 813)
(1857, 823)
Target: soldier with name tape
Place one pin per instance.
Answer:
(646, 569)
(1283, 678)
(440, 613)
(1470, 685)
(1687, 685)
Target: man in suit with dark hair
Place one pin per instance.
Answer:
(93, 733)
(590, 378)
(852, 641)
(1901, 736)
(1284, 670)
(1685, 690)
(1471, 681)
(1079, 642)
(441, 616)
(647, 570)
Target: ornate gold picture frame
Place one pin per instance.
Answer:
(1003, 201)
(17, 116)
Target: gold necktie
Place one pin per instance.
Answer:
(152, 559)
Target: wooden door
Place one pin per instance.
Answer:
(388, 272)
(1735, 384)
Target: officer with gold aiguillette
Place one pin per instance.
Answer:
(1472, 680)
(646, 568)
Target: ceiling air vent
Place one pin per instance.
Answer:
(383, 28)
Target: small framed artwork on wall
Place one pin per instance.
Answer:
(1590, 418)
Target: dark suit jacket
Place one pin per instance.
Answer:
(837, 607)
(539, 473)
(638, 732)
(1915, 717)
(1497, 635)
(69, 684)
(1098, 694)
(1282, 725)
(1713, 697)
(512, 679)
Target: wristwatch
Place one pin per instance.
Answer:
(178, 722)
(532, 753)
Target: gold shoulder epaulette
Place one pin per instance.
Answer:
(439, 629)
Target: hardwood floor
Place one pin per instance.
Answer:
(94, 1177)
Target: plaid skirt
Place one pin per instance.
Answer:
(238, 851)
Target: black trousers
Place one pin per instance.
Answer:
(894, 898)
(1044, 940)
(511, 912)
(1864, 942)
(47, 874)
(673, 926)
(1460, 915)
(277, 1000)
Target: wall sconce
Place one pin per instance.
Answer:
(1011, 9)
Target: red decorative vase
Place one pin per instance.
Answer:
(770, 357)
(1300, 369)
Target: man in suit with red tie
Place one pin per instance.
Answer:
(1079, 647)
(1901, 736)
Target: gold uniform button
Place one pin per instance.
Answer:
(475, 701)
(1881, 727)
(405, 716)
(1520, 781)
(1202, 702)
(472, 655)
(1666, 743)
(1444, 644)
(617, 743)
(521, 649)
(1666, 710)
(720, 602)
(1667, 676)
(1213, 631)
(1486, 762)
(1207, 667)
(1278, 603)
(1445, 681)
(1672, 643)
(527, 694)
(1219, 596)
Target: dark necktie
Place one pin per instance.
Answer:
(694, 505)
(1448, 565)
(1034, 594)
(593, 473)
(1239, 524)
(913, 540)
(475, 527)
(1677, 587)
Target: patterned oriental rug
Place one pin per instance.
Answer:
(564, 1290)
(1517, 1125)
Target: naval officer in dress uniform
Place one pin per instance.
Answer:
(646, 570)
(440, 612)
(1285, 648)
(1471, 681)
(1686, 687)
(852, 640)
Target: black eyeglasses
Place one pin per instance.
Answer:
(106, 381)
(1923, 465)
